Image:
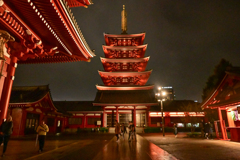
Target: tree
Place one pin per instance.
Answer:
(215, 79)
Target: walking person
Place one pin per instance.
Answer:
(210, 130)
(117, 129)
(123, 129)
(175, 130)
(132, 131)
(202, 125)
(129, 130)
(7, 129)
(42, 130)
(207, 129)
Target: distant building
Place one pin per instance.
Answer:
(170, 95)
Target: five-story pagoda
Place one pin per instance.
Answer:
(124, 95)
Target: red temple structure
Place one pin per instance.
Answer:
(37, 31)
(226, 100)
(124, 95)
(28, 105)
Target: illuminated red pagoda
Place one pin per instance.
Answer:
(124, 95)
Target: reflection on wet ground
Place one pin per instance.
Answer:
(86, 147)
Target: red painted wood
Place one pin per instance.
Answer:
(6, 92)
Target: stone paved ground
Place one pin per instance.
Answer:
(103, 146)
(58, 147)
(195, 148)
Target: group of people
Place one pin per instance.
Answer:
(6, 129)
(206, 130)
(121, 130)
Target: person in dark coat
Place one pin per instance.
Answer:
(6, 131)
(123, 129)
(202, 125)
(175, 130)
(210, 130)
(207, 129)
(117, 129)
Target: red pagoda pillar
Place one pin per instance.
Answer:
(7, 88)
(134, 116)
(117, 117)
(84, 120)
(104, 118)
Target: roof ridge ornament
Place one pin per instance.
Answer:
(124, 20)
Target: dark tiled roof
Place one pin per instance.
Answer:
(22, 94)
(66, 106)
(123, 96)
(178, 106)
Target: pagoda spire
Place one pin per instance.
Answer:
(124, 20)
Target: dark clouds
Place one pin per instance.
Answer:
(186, 39)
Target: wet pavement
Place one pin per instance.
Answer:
(195, 148)
(103, 146)
(92, 146)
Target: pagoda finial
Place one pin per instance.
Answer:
(124, 20)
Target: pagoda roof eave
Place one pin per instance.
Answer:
(147, 87)
(124, 73)
(124, 47)
(124, 35)
(126, 60)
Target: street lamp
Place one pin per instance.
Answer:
(160, 97)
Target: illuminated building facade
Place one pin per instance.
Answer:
(225, 99)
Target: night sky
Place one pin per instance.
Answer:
(186, 40)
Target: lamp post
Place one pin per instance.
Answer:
(160, 96)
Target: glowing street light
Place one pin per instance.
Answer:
(160, 97)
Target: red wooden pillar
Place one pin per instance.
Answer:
(148, 117)
(84, 120)
(134, 116)
(7, 88)
(224, 133)
(117, 117)
(104, 118)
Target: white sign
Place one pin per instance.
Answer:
(99, 123)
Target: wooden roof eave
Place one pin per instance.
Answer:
(213, 94)
(147, 87)
(46, 15)
(103, 73)
(144, 47)
(76, 32)
(125, 60)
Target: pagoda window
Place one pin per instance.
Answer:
(124, 42)
(118, 66)
(119, 43)
(131, 80)
(125, 80)
(129, 42)
(118, 80)
(125, 67)
(130, 66)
